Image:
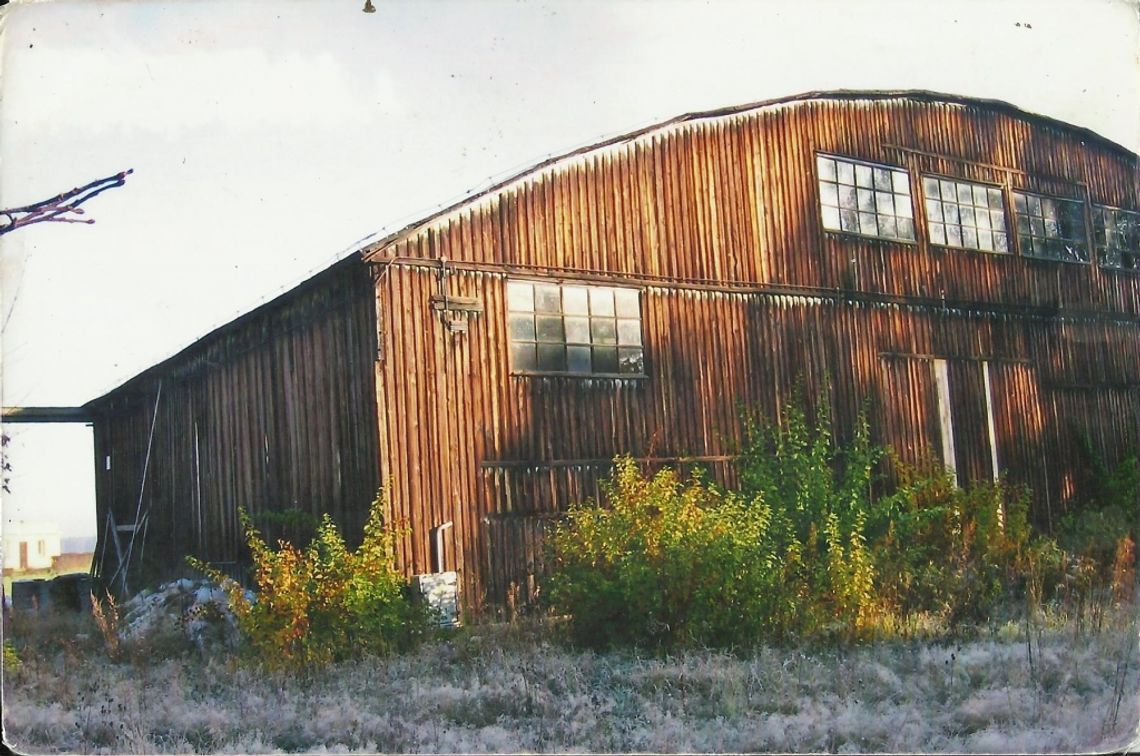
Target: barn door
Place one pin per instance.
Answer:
(941, 409)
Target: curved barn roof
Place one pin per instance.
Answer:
(838, 95)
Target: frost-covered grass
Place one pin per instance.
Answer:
(511, 689)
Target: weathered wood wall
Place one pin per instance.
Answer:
(273, 413)
(744, 298)
(744, 295)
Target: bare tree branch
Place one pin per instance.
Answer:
(60, 208)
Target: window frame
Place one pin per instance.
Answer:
(1084, 223)
(591, 319)
(1101, 251)
(821, 206)
(1009, 251)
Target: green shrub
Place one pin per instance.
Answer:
(958, 552)
(823, 511)
(666, 563)
(325, 602)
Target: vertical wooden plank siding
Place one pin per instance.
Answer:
(746, 299)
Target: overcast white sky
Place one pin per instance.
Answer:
(268, 137)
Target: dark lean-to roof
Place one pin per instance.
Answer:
(373, 249)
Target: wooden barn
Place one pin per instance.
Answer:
(970, 270)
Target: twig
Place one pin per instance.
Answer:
(62, 207)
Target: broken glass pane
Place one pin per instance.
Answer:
(631, 360)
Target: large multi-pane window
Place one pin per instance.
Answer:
(856, 197)
(1051, 227)
(574, 329)
(965, 214)
(1117, 236)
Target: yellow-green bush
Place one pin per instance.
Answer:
(324, 602)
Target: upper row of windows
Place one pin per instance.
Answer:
(869, 199)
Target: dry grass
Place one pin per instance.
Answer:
(510, 689)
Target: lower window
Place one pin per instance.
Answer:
(574, 329)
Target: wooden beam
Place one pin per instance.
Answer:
(46, 415)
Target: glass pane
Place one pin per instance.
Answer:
(980, 198)
(826, 167)
(551, 358)
(950, 212)
(847, 199)
(985, 241)
(522, 327)
(900, 181)
(965, 194)
(866, 201)
(888, 227)
(882, 179)
(868, 225)
(930, 187)
(830, 218)
(578, 359)
(1023, 224)
(1001, 242)
(828, 194)
(547, 298)
(631, 360)
(954, 236)
(1034, 204)
(849, 221)
(628, 303)
(906, 228)
(549, 328)
(934, 210)
(997, 220)
(884, 203)
(863, 176)
(577, 330)
(966, 216)
(845, 172)
(1037, 226)
(902, 207)
(629, 332)
(603, 331)
(575, 300)
(601, 301)
(937, 233)
(969, 237)
(995, 198)
(523, 357)
(520, 296)
(948, 190)
(1019, 203)
(982, 219)
(605, 360)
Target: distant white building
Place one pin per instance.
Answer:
(30, 545)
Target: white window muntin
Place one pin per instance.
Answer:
(1116, 235)
(864, 198)
(965, 214)
(574, 329)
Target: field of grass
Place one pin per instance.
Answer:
(512, 688)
